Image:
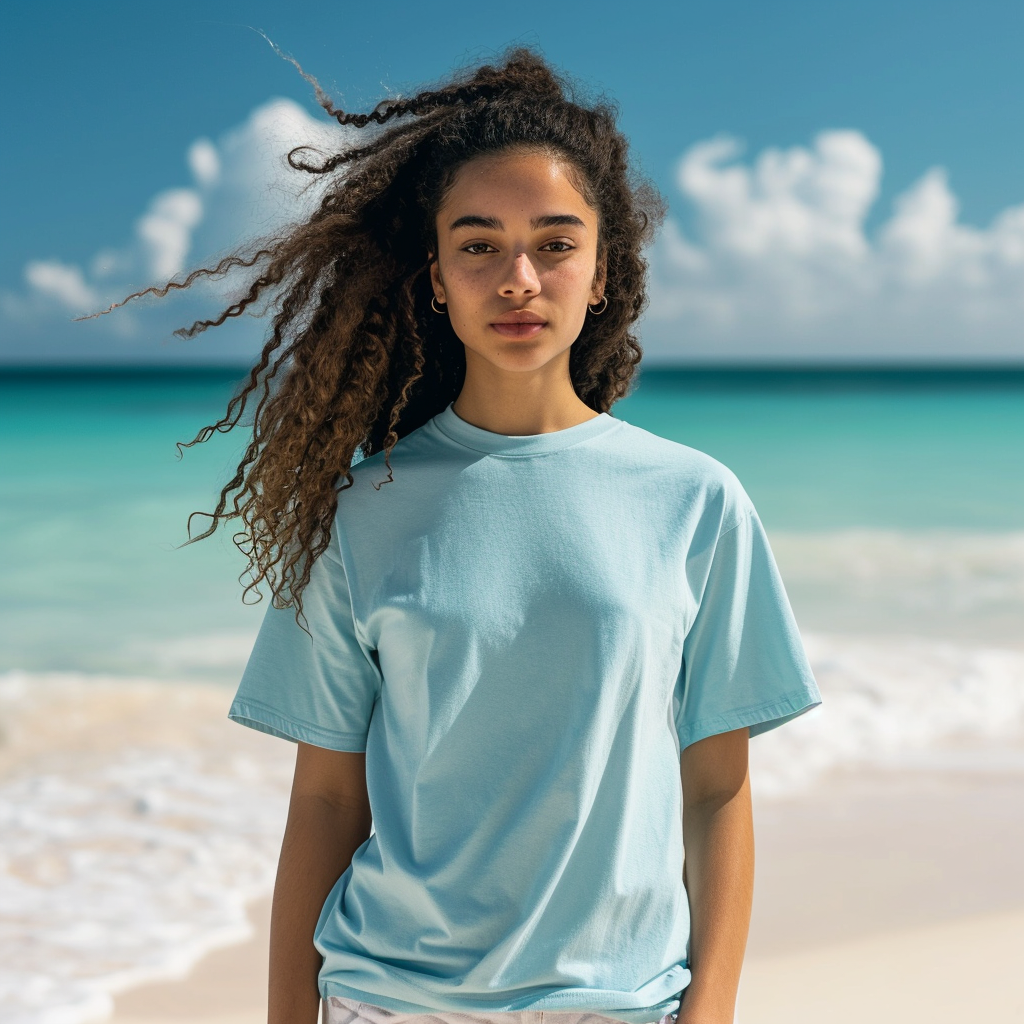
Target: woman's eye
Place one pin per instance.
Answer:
(477, 248)
(559, 246)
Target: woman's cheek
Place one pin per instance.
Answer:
(573, 278)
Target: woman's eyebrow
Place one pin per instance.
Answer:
(554, 220)
(475, 221)
(557, 220)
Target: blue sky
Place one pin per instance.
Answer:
(845, 180)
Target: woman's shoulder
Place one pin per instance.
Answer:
(686, 464)
(686, 476)
(410, 447)
(407, 472)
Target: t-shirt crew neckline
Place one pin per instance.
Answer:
(469, 436)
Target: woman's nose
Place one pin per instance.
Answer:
(521, 278)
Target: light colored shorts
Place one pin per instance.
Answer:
(337, 1010)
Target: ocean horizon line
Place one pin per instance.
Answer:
(684, 376)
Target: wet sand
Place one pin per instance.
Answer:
(227, 987)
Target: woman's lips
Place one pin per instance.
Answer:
(521, 329)
(519, 323)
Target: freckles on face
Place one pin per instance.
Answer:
(517, 257)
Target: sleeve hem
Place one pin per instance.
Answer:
(264, 719)
(758, 718)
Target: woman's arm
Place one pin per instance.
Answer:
(718, 834)
(328, 818)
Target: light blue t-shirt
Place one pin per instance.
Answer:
(521, 633)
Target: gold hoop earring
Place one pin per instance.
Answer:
(433, 306)
(602, 302)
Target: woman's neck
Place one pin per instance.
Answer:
(531, 402)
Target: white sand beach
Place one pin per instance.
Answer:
(892, 897)
(965, 970)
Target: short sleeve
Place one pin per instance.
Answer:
(743, 660)
(318, 687)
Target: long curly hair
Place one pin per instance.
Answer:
(356, 358)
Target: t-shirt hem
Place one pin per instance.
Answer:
(640, 1015)
(258, 716)
(758, 718)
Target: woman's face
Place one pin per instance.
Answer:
(517, 259)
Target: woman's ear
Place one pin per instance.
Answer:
(435, 280)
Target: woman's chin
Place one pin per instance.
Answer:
(516, 356)
(520, 358)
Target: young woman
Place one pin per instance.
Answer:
(521, 643)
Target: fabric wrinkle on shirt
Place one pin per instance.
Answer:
(522, 633)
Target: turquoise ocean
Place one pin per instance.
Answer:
(95, 502)
(894, 500)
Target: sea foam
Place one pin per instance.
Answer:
(885, 701)
(944, 584)
(124, 861)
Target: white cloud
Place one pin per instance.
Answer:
(781, 266)
(241, 187)
(253, 190)
(204, 162)
(62, 282)
(166, 230)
